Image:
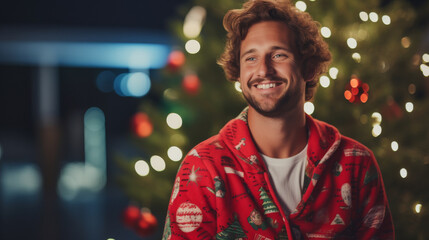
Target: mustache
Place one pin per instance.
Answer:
(258, 80)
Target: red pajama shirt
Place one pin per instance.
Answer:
(222, 191)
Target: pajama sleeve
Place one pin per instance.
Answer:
(191, 210)
(375, 217)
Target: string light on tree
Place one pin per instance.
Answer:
(192, 46)
(142, 168)
(425, 69)
(405, 42)
(418, 207)
(376, 130)
(301, 5)
(324, 81)
(373, 17)
(174, 153)
(403, 172)
(409, 106)
(386, 19)
(237, 86)
(425, 58)
(352, 43)
(356, 56)
(363, 16)
(309, 108)
(326, 32)
(333, 72)
(174, 121)
(394, 145)
(194, 22)
(377, 118)
(157, 163)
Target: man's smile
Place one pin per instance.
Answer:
(267, 85)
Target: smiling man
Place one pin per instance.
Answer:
(275, 172)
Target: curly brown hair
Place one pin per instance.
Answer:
(311, 48)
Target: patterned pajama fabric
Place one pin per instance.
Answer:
(222, 191)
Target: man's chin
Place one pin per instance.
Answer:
(273, 111)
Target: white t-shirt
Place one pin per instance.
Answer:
(287, 176)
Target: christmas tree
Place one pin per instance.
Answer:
(376, 91)
(233, 231)
(267, 203)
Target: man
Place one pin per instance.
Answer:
(275, 172)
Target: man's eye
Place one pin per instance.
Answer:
(250, 59)
(279, 55)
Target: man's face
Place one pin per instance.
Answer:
(270, 77)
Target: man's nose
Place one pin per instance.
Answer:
(265, 67)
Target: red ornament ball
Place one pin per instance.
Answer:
(147, 224)
(176, 59)
(191, 84)
(131, 216)
(141, 125)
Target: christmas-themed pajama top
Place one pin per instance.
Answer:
(222, 191)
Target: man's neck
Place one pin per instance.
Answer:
(278, 137)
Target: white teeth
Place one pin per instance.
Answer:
(266, 86)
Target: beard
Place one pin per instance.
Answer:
(286, 102)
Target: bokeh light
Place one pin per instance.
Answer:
(333, 72)
(409, 106)
(425, 57)
(135, 84)
(386, 19)
(356, 56)
(237, 86)
(104, 81)
(376, 130)
(326, 32)
(138, 84)
(403, 172)
(142, 125)
(192, 46)
(176, 59)
(412, 88)
(301, 5)
(373, 17)
(324, 81)
(191, 83)
(363, 16)
(406, 42)
(425, 69)
(174, 121)
(175, 154)
(418, 208)
(352, 43)
(377, 118)
(142, 168)
(309, 108)
(194, 21)
(394, 145)
(157, 163)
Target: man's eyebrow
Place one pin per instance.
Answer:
(248, 51)
(281, 48)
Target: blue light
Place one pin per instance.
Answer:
(138, 84)
(117, 84)
(110, 55)
(135, 84)
(104, 81)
